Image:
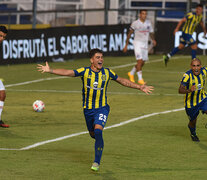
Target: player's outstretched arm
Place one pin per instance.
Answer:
(203, 27)
(61, 72)
(179, 25)
(152, 36)
(144, 88)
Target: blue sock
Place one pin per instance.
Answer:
(193, 53)
(99, 144)
(174, 51)
(192, 130)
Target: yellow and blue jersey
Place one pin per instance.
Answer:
(95, 86)
(189, 79)
(192, 22)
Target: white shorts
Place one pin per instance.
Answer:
(1, 86)
(141, 51)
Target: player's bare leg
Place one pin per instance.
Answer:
(181, 46)
(2, 99)
(139, 65)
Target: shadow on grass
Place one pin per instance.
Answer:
(202, 146)
(105, 176)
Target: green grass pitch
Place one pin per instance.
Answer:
(153, 148)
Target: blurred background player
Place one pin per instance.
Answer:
(191, 21)
(95, 81)
(193, 86)
(142, 28)
(3, 33)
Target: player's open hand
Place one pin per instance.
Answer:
(154, 43)
(42, 68)
(146, 89)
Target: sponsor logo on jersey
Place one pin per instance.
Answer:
(103, 77)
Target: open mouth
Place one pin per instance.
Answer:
(196, 71)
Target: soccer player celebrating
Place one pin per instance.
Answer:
(191, 21)
(95, 81)
(193, 86)
(142, 28)
(3, 33)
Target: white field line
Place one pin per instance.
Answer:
(61, 77)
(108, 92)
(147, 62)
(34, 81)
(85, 132)
(165, 72)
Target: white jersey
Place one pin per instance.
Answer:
(141, 30)
(1, 86)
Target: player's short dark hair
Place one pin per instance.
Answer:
(3, 29)
(196, 59)
(142, 10)
(94, 51)
(199, 5)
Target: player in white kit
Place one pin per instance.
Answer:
(3, 33)
(142, 29)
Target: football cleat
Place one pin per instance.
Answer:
(3, 125)
(95, 166)
(131, 77)
(195, 138)
(141, 81)
(165, 59)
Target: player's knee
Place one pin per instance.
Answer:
(181, 46)
(139, 67)
(194, 46)
(92, 134)
(2, 95)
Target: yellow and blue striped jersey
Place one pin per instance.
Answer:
(192, 22)
(189, 79)
(95, 86)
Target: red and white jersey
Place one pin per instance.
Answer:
(141, 30)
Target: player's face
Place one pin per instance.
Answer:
(2, 36)
(143, 15)
(97, 62)
(196, 67)
(199, 10)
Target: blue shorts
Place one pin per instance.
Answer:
(96, 116)
(187, 39)
(194, 111)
